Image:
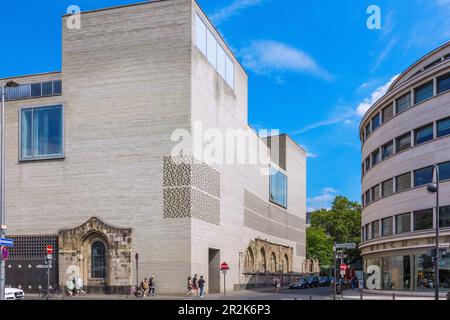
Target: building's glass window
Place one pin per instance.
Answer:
(387, 188)
(221, 61)
(366, 234)
(388, 112)
(375, 229)
(98, 260)
(403, 182)
(444, 217)
(41, 132)
(423, 220)
(403, 103)
(423, 92)
(387, 226)
(367, 130)
(376, 192)
(423, 176)
(403, 223)
(376, 121)
(443, 127)
(443, 83)
(424, 134)
(387, 150)
(207, 43)
(367, 162)
(278, 187)
(376, 157)
(432, 64)
(403, 142)
(33, 90)
(367, 197)
(444, 171)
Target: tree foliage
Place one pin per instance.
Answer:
(340, 224)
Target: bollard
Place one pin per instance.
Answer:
(393, 296)
(310, 298)
(361, 296)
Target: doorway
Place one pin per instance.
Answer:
(214, 271)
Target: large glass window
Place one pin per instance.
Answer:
(367, 130)
(387, 226)
(396, 273)
(423, 176)
(41, 132)
(423, 220)
(443, 83)
(403, 223)
(424, 134)
(388, 150)
(376, 157)
(367, 197)
(444, 218)
(375, 229)
(388, 113)
(376, 121)
(207, 43)
(403, 182)
(376, 192)
(200, 35)
(403, 142)
(443, 127)
(98, 260)
(403, 103)
(423, 92)
(387, 187)
(444, 171)
(278, 187)
(366, 233)
(34, 90)
(367, 163)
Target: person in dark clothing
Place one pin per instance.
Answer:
(152, 286)
(201, 286)
(195, 285)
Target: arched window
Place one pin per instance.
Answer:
(98, 260)
(286, 264)
(249, 264)
(263, 260)
(273, 263)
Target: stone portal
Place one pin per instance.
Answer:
(99, 254)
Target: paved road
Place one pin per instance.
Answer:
(325, 293)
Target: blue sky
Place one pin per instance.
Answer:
(313, 66)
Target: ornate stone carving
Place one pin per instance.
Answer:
(264, 257)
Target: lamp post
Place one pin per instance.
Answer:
(434, 188)
(10, 84)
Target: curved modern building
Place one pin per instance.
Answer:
(403, 135)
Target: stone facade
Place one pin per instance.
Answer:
(75, 255)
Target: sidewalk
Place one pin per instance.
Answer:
(356, 295)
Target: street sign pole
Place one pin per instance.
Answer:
(224, 282)
(335, 270)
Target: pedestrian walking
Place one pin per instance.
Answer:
(195, 285)
(145, 286)
(201, 286)
(152, 286)
(278, 284)
(189, 292)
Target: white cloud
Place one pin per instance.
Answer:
(384, 53)
(233, 9)
(309, 154)
(342, 117)
(374, 97)
(322, 201)
(266, 56)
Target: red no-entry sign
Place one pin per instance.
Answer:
(49, 249)
(224, 266)
(343, 267)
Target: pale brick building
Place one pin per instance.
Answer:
(89, 167)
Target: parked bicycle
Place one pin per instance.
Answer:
(52, 293)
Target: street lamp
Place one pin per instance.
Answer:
(434, 188)
(9, 84)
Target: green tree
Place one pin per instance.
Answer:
(342, 223)
(319, 246)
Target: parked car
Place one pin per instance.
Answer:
(14, 294)
(301, 284)
(325, 281)
(313, 281)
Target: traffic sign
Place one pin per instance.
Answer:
(345, 246)
(49, 257)
(6, 242)
(49, 250)
(343, 267)
(5, 253)
(224, 266)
